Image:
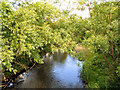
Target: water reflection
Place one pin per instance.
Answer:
(60, 57)
(59, 71)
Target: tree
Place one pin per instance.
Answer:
(28, 32)
(103, 45)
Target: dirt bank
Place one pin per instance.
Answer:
(79, 48)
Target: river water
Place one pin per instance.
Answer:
(59, 71)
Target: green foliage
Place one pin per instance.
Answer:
(30, 31)
(37, 28)
(101, 67)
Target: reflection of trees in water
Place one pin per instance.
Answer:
(56, 57)
(60, 57)
(39, 78)
(44, 75)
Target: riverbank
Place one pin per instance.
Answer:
(9, 77)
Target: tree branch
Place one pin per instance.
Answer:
(112, 51)
(20, 65)
(108, 64)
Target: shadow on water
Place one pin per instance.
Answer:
(59, 71)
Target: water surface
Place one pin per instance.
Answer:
(59, 71)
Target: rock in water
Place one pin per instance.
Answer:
(10, 85)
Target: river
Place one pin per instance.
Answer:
(59, 71)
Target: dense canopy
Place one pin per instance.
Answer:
(35, 29)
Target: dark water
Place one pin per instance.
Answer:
(59, 71)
